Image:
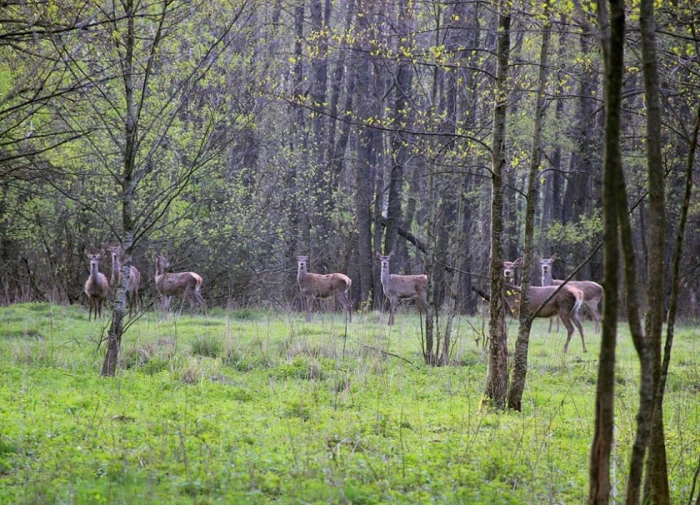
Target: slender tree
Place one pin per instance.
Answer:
(612, 30)
(497, 375)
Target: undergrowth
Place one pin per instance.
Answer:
(253, 407)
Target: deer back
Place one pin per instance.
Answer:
(176, 283)
(590, 289)
(323, 285)
(404, 286)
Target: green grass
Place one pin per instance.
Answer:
(257, 407)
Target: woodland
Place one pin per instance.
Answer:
(228, 138)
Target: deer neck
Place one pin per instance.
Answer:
(384, 276)
(301, 274)
(547, 278)
(116, 267)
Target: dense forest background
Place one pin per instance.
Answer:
(243, 133)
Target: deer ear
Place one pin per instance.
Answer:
(378, 254)
(391, 254)
(555, 256)
(518, 262)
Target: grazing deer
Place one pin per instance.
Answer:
(96, 287)
(592, 291)
(132, 288)
(321, 286)
(188, 284)
(565, 305)
(402, 287)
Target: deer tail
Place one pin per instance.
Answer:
(579, 302)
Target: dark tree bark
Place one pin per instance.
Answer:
(612, 28)
(497, 375)
(517, 386)
(400, 150)
(657, 471)
(337, 147)
(363, 188)
(552, 205)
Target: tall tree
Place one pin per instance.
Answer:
(497, 375)
(612, 31)
(365, 144)
(657, 470)
(517, 386)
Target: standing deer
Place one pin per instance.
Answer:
(133, 286)
(321, 286)
(565, 305)
(96, 287)
(402, 287)
(592, 291)
(188, 284)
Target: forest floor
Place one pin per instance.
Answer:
(254, 407)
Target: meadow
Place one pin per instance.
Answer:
(253, 407)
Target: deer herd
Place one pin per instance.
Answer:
(551, 300)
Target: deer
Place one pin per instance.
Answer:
(323, 286)
(509, 270)
(96, 287)
(133, 286)
(592, 291)
(565, 304)
(397, 287)
(187, 284)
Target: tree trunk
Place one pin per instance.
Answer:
(497, 375)
(114, 336)
(400, 150)
(363, 189)
(612, 29)
(517, 386)
(657, 471)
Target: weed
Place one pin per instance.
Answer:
(207, 346)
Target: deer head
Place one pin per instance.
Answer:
(509, 269)
(546, 264)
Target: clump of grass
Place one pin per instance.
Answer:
(207, 346)
(137, 356)
(191, 375)
(245, 315)
(27, 354)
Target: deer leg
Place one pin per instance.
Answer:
(348, 302)
(309, 306)
(593, 309)
(89, 308)
(566, 319)
(201, 302)
(392, 308)
(577, 323)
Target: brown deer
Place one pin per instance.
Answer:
(565, 305)
(335, 285)
(96, 287)
(402, 287)
(134, 284)
(592, 291)
(187, 284)
(509, 270)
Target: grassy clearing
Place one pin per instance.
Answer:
(253, 407)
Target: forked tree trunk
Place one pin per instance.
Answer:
(612, 28)
(497, 375)
(517, 386)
